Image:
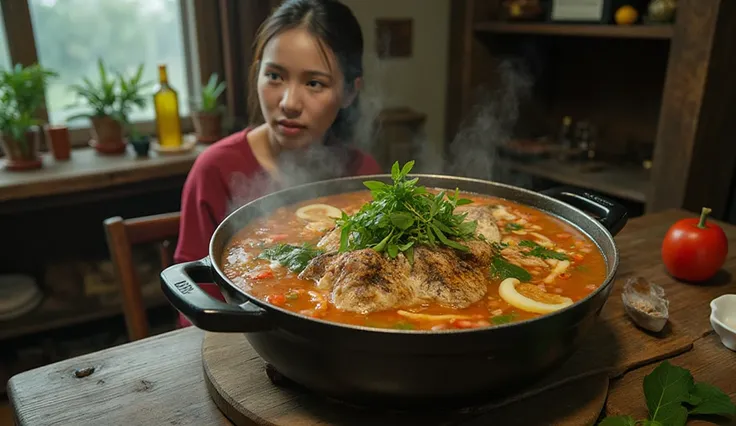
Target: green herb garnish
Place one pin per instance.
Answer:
(502, 269)
(672, 395)
(404, 215)
(514, 227)
(296, 258)
(404, 326)
(503, 319)
(541, 252)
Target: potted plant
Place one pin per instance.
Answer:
(207, 116)
(110, 100)
(22, 92)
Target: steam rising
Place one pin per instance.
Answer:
(490, 124)
(472, 152)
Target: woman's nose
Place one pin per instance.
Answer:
(290, 102)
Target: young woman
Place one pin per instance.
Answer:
(307, 71)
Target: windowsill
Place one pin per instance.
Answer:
(81, 136)
(88, 170)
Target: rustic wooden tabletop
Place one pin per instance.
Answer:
(159, 380)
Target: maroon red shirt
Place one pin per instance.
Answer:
(225, 176)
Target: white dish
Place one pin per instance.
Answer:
(19, 294)
(723, 319)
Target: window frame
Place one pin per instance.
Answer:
(198, 28)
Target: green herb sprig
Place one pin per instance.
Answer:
(502, 269)
(403, 215)
(511, 226)
(541, 252)
(295, 258)
(672, 395)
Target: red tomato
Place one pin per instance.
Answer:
(693, 249)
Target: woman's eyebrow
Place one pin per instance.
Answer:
(306, 72)
(275, 65)
(318, 73)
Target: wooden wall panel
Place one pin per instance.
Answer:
(695, 155)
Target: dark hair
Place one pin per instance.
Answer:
(333, 24)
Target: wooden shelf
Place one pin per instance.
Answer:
(53, 314)
(661, 31)
(629, 184)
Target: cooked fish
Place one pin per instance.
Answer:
(367, 281)
(515, 255)
(483, 214)
(440, 275)
(317, 267)
(363, 280)
(331, 240)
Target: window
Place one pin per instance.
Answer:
(71, 35)
(4, 55)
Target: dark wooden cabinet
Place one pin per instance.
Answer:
(666, 89)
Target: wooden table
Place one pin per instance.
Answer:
(159, 380)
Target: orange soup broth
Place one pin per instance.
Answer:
(277, 285)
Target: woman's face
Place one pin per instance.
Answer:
(300, 89)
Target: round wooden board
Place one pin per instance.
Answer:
(236, 379)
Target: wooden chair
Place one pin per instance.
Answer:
(122, 235)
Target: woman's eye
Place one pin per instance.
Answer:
(316, 84)
(273, 76)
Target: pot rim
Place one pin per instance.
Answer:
(612, 265)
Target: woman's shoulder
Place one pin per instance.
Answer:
(231, 153)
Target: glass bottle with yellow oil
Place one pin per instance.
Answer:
(166, 104)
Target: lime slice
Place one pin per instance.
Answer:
(319, 213)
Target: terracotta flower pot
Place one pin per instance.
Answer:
(108, 135)
(22, 156)
(57, 138)
(207, 126)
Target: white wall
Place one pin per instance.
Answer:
(420, 81)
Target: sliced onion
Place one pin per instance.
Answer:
(319, 213)
(507, 291)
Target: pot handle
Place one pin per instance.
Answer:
(178, 283)
(611, 214)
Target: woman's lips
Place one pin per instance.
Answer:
(290, 129)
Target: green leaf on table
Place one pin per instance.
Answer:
(665, 389)
(669, 391)
(618, 421)
(708, 399)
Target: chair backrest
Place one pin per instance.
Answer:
(122, 235)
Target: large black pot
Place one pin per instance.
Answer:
(401, 367)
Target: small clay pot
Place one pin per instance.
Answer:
(108, 135)
(207, 126)
(57, 138)
(22, 156)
